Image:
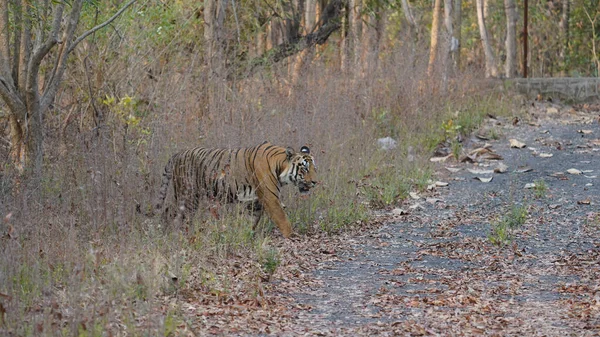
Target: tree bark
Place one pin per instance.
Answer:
(564, 34)
(435, 34)
(413, 28)
(456, 44)
(491, 70)
(450, 44)
(510, 67)
(354, 31)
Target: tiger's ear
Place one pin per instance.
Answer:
(305, 149)
(289, 152)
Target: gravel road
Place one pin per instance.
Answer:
(431, 269)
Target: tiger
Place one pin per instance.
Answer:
(251, 175)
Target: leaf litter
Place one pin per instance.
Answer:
(429, 271)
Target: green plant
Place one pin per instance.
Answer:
(502, 230)
(170, 324)
(540, 188)
(270, 260)
(456, 148)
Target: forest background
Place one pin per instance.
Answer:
(97, 95)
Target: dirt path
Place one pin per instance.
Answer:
(430, 268)
(434, 270)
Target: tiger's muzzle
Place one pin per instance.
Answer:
(305, 186)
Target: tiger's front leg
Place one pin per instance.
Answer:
(272, 206)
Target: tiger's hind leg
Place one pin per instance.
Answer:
(257, 210)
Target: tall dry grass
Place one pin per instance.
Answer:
(76, 258)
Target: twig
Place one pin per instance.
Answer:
(100, 26)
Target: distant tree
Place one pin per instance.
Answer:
(435, 34)
(564, 33)
(491, 70)
(510, 67)
(36, 39)
(456, 42)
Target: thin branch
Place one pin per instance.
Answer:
(62, 55)
(100, 26)
(12, 100)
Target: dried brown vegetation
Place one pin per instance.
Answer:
(76, 258)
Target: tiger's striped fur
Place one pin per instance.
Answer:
(253, 174)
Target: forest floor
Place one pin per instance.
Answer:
(431, 267)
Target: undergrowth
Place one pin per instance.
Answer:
(76, 258)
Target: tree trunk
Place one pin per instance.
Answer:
(564, 34)
(491, 70)
(17, 141)
(510, 67)
(413, 31)
(449, 41)
(457, 34)
(355, 32)
(435, 33)
(209, 31)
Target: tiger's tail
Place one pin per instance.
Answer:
(162, 194)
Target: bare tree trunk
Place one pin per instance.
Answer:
(435, 33)
(510, 67)
(491, 70)
(450, 45)
(355, 31)
(344, 44)
(564, 34)
(413, 28)
(17, 140)
(457, 34)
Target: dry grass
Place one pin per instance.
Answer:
(76, 259)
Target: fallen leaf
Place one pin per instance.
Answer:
(483, 179)
(399, 211)
(441, 184)
(433, 200)
(453, 169)
(440, 159)
(523, 169)
(574, 171)
(414, 195)
(516, 144)
(501, 168)
(477, 171)
(492, 156)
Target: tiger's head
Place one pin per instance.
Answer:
(301, 171)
